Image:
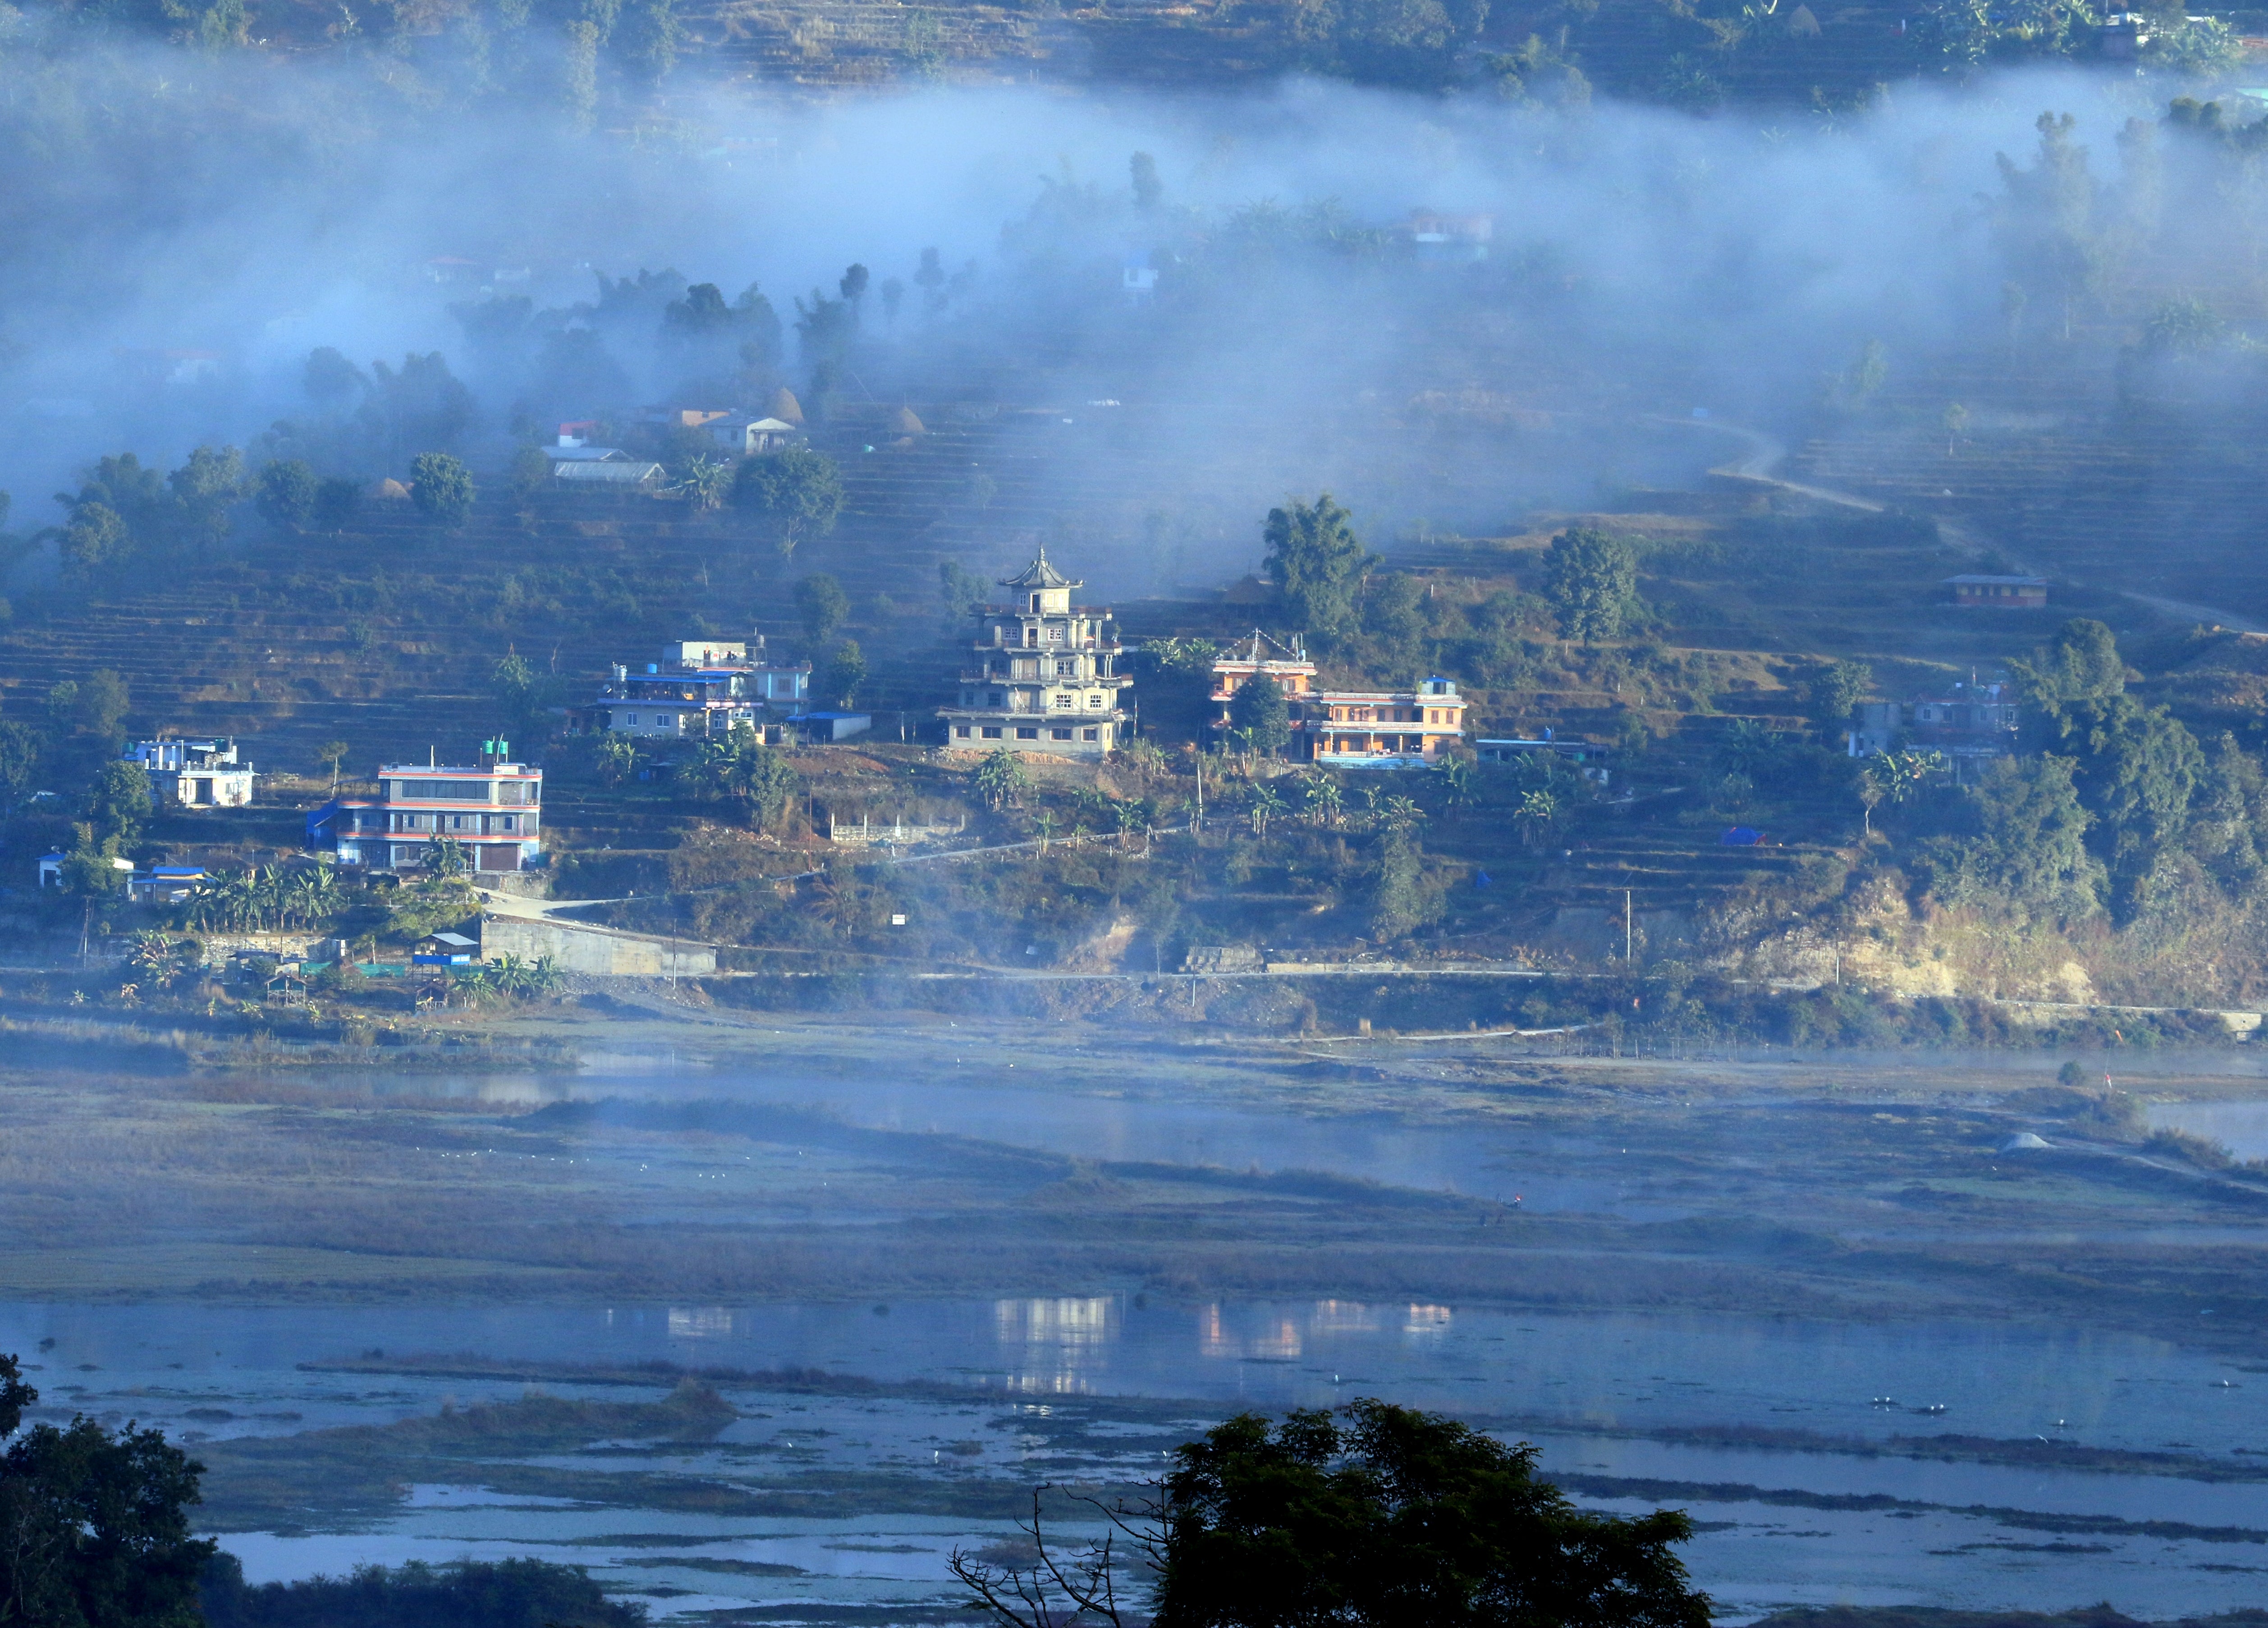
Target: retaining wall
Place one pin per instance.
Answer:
(599, 950)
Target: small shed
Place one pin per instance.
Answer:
(51, 870)
(445, 949)
(832, 726)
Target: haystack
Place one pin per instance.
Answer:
(904, 422)
(390, 491)
(785, 405)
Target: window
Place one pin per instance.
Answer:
(1055, 635)
(443, 791)
(996, 700)
(507, 823)
(960, 732)
(1094, 699)
(1062, 698)
(1059, 735)
(991, 732)
(1036, 602)
(630, 720)
(1090, 734)
(1066, 670)
(663, 720)
(1027, 734)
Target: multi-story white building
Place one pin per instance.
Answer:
(196, 774)
(700, 687)
(494, 810)
(1044, 677)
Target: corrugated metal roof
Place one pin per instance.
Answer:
(608, 473)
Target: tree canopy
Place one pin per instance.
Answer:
(1260, 714)
(1317, 564)
(97, 1523)
(1590, 576)
(796, 491)
(1378, 1517)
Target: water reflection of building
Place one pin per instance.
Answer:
(1054, 1346)
(700, 1322)
(1342, 1317)
(1277, 1340)
(1426, 1319)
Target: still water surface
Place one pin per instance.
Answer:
(214, 1371)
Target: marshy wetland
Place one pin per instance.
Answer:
(760, 1320)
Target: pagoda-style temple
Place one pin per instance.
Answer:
(1044, 674)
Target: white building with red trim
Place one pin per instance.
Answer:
(495, 811)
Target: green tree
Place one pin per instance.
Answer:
(95, 707)
(95, 545)
(531, 472)
(204, 490)
(649, 43)
(579, 73)
(708, 482)
(524, 697)
(822, 604)
(96, 1525)
(1590, 576)
(287, 492)
(1400, 1517)
(1317, 564)
(846, 672)
(441, 486)
(1835, 691)
(796, 493)
(1148, 189)
(333, 753)
(445, 856)
(2082, 663)
(1401, 901)
(118, 801)
(1001, 779)
(21, 749)
(1261, 715)
(617, 758)
(2026, 853)
(962, 590)
(1394, 1519)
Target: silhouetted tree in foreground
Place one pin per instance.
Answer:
(94, 1529)
(1396, 1518)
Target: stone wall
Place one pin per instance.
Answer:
(597, 951)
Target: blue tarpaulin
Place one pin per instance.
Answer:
(1742, 836)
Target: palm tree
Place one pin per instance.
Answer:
(1001, 779)
(617, 759)
(1322, 800)
(1266, 804)
(1129, 815)
(444, 856)
(1401, 813)
(1044, 822)
(1537, 815)
(1457, 788)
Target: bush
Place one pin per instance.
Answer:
(441, 486)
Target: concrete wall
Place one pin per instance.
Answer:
(574, 947)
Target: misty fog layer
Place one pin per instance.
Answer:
(1643, 261)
